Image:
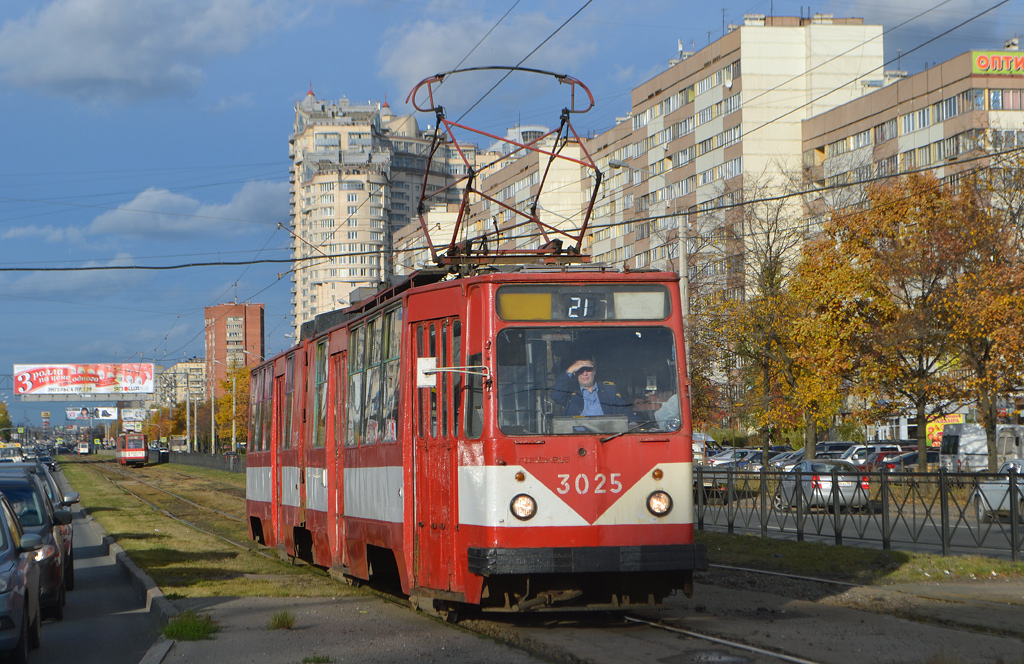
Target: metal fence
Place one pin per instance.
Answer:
(230, 462)
(951, 513)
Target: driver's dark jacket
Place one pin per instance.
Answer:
(568, 394)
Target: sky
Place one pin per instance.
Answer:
(154, 134)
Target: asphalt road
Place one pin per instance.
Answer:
(105, 620)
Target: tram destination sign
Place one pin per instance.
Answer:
(57, 380)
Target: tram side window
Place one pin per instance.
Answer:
(432, 350)
(267, 403)
(320, 395)
(255, 408)
(289, 396)
(339, 396)
(421, 409)
(474, 409)
(444, 378)
(456, 377)
(392, 355)
(371, 406)
(353, 429)
(374, 380)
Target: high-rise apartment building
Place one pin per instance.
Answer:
(357, 173)
(234, 337)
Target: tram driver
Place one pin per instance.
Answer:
(579, 392)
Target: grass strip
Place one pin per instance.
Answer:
(849, 563)
(185, 562)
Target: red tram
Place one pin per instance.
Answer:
(132, 449)
(434, 434)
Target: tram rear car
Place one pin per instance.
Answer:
(132, 449)
(433, 434)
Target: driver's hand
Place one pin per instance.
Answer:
(576, 366)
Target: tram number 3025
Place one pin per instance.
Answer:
(602, 483)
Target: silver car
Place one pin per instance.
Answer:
(992, 497)
(816, 488)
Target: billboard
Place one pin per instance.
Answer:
(63, 379)
(133, 414)
(94, 413)
(935, 425)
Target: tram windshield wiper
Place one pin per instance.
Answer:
(632, 427)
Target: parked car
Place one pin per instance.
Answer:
(730, 456)
(20, 617)
(816, 486)
(858, 454)
(831, 446)
(58, 499)
(879, 461)
(787, 460)
(908, 461)
(26, 493)
(992, 498)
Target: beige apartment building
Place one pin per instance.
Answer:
(720, 126)
(945, 119)
(179, 382)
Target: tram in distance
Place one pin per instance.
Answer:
(444, 436)
(132, 449)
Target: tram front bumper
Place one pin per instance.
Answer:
(585, 560)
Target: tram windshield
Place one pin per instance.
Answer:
(578, 380)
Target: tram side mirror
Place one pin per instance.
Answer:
(424, 365)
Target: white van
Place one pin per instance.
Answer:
(965, 446)
(858, 454)
(701, 441)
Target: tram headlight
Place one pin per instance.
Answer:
(659, 503)
(523, 507)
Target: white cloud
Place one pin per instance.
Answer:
(48, 233)
(414, 50)
(158, 213)
(126, 50)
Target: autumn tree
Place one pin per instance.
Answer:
(232, 411)
(5, 423)
(983, 308)
(783, 388)
(898, 258)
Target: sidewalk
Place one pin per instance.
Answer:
(341, 629)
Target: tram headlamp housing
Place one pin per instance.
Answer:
(523, 507)
(659, 503)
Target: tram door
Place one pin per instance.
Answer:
(435, 445)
